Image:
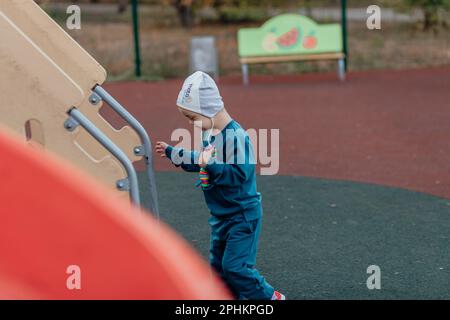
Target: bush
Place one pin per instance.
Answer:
(430, 9)
(242, 14)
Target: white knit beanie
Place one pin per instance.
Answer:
(200, 94)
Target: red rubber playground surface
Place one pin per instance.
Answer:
(390, 128)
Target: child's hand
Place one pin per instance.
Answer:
(160, 148)
(205, 156)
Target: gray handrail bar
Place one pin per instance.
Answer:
(145, 139)
(98, 135)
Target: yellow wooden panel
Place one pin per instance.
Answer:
(79, 65)
(32, 86)
(55, 42)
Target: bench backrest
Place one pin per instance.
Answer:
(289, 34)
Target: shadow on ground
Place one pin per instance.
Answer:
(319, 236)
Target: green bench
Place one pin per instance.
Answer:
(290, 37)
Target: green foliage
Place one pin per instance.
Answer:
(428, 3)
(430, 9)
(242, 14)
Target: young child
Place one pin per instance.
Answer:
(227, 177)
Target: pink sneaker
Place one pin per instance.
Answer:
(278, 296)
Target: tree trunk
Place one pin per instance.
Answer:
(308, 8)
(185, 12)
(122, 6)
(431, 18)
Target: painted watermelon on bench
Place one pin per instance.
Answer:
(289, 39)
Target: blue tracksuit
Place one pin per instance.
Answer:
(235, 207)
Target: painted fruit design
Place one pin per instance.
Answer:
(289, 38)
(270, 42)
(309, 42)
(293, 37)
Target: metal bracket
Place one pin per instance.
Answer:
(139, 151)
(94, 98)
(123, 184)
(71, 124)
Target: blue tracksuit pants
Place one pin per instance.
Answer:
(234, 243)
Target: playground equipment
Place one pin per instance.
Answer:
(58, 241)
(51, 93)
(290, 37)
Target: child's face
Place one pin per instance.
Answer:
(196, 119)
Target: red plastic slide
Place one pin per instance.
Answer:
(63, 236)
